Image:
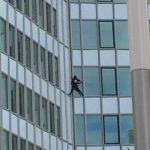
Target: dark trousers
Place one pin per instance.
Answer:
(76, 88)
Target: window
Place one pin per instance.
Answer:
(124, 82)
(14, 142)
(109, 81)
(56, 72)
(48, 17)
(26, 7)
(89, 34)
(106, 34)
(121, 35)
(104, 0)
(2, 35)
(35, 57)
(54, 23)
(38, 148)
(91, 81)
(76, 41)
(127, 133)
(20, 46)
(79, 125)
(11, 41)
(41, 13)
(44, 113)
(43, 63)
(30, 146)
(19, 4)
(29, 105)
(11, 2)
(34, 10)
(37, 109)
(28, 52)
(93, 129)
(21, 101)
(111, 130)
(52, 117)
(5, 145)
(58, 122)
(50, 67)
(13, 95)
(4, 91)
(77, 71)
(22, 144)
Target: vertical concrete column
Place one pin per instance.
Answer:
(140, 70)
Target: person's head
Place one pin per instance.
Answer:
(75, 77)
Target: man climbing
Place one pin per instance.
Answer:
(75, 85)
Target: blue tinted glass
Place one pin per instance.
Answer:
(93, 129)
(91, 81)
(127, 133)
(111, 129)
(79, 130)
(89, 34)
(106, 34)
(124, 82)
(121, 35)
(76, 35)
(109, 81)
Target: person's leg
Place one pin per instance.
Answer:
(71, 91)
(79, 91)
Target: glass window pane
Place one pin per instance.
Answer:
(11, 1)
(41, 13)
(2, 35)
(28, 52)
(30, 146)
(127, 133)
(108, 81)
(76, 42)
(58, 122)
(93, 129)
(52, 117)
(89, 34)
(121, 35)
(50, 67)
(22, 144)
(37, 109)
(21, 101)
(48, 17)
(124, 82)
(5, 145)
(44, 113)
(19, 4)
(38, 148)
(111, 130)
(29, 105)
(91, 81)
(35, 57)
(77, 71)
(20, 46)
(12, 41)
(4, 88)
(54, 23)
(106, 34)
(13, 95)
(56, 71)
(14, 142)
(26, 7)
(34, 10)
(79, 125)
(43, 63)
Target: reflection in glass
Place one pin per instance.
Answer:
(111, 130)
(106, 34)
(121, 35)
(2, 35)
(13, 95)
(108, 81)
(14, 142)
(124, 82)
(89, 34)
(21, 101)
(37, 109)
(79, 124)
(91, 81)
(5, 145)
(127, 133)
(93, 129)
(20, 46)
